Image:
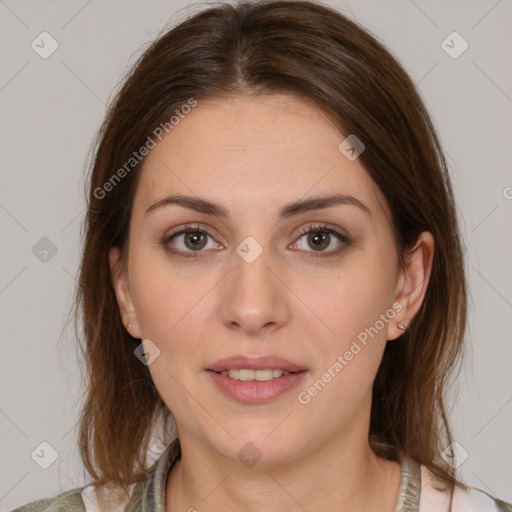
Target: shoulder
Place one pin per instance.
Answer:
(69, 501)
(470, 500)
(476, 500)
(86, 499)
(81, 499)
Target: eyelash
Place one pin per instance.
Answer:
(195, 228)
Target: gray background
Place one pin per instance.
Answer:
(51, 109)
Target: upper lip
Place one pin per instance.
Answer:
(239, 362)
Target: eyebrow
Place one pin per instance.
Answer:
(296, 208)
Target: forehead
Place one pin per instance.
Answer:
(252, 151)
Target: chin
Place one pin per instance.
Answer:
(256, 448)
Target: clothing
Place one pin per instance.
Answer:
(416, 493)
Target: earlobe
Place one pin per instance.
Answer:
(123, 293)
(413, 282)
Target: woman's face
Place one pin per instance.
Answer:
(249, 283)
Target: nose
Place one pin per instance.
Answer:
(254, 298)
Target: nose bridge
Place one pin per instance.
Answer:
(254, 297)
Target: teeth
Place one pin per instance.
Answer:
(259, 375)
(244, 374)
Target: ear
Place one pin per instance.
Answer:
(413, 282)
(123, 293)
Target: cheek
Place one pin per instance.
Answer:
(355, 296)
(356, 308)
(170, 313)
(165, 296)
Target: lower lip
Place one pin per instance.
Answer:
(254, 391)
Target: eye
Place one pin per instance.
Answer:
(320, 236)
(194, 239)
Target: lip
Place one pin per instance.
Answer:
(255, 392)
(268, 362)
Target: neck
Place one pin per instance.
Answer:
(344, 474)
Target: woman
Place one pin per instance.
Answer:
(272, 281)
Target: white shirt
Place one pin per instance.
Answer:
(472, 500)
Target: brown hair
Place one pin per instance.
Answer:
(266, 47)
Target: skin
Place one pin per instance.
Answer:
(253, 156)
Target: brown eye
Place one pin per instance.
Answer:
(319, 238)
(189, 241)
(196, 239)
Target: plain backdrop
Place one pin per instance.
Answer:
(50, 110)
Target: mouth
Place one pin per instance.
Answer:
(248, 374)
(255, 380)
